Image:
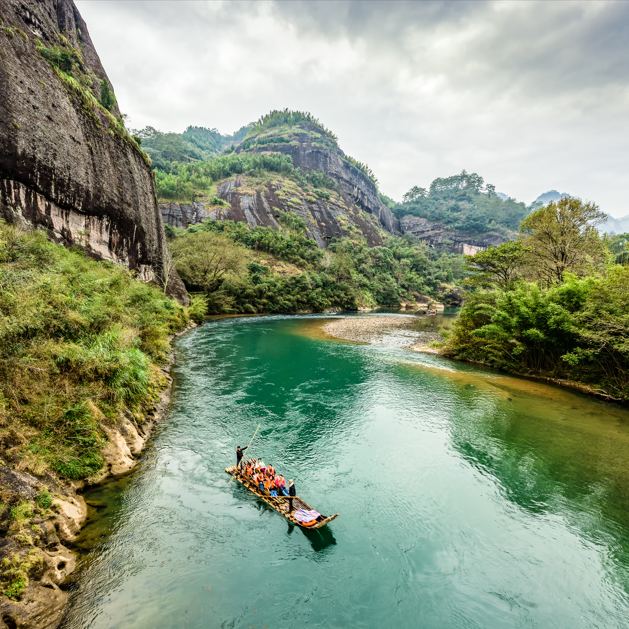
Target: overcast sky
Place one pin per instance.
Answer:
(530, 95)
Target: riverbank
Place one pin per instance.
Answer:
(377, 330)
(44, 602)
(85, 356)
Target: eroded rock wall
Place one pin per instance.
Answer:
(355, 187)
(437, 235)
(62, 166)
(325, 218)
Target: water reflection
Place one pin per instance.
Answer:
(320, 539)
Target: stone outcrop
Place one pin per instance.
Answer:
(437, 235)
(262, 204)
(355, 187)
(354, 207)
(66, 164)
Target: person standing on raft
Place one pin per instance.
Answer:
(292, 492)
(239, 455)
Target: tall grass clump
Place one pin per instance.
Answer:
(80, 341)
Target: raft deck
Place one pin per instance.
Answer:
(281, 503)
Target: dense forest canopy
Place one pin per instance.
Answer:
(250, 270)
(463, 202)
(167, 150)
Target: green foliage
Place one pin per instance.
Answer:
(15, 572)
(385, 200)
(462, 204)
(562, 237)
(184, 181)
(348, 275)
(316, 179)
(573, 323)
(64, 58)
(576, 330)
(193, 145)
(198, 308)
(618, 245)
(497, 266)
(206, 259)
(291, 247)
(292, 222)
(107, 99)
(44, 500)
(289, 118)
(78, 343)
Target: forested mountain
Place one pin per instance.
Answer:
(287, 162)
(463, 203)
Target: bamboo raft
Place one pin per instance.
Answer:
(281, 503)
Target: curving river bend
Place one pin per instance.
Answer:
(466, 498)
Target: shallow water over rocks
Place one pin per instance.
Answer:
(466, 498)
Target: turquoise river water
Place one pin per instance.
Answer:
(467, 498)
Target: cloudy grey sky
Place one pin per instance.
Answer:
(530, 95)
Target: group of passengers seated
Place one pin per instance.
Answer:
(266, 479)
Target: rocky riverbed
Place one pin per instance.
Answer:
(395, 331)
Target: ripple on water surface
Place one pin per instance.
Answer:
(467, 498)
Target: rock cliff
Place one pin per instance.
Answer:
(438, 235)
(249, 201)
(310, 151)
(353, 207)
(67, 165)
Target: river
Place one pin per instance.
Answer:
(466, 498)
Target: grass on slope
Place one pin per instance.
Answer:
(80, 340)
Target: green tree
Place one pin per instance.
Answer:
(414, 194)
(107, 98)
(562, 237)
(619, 247)
(205, 260)
(496, 266)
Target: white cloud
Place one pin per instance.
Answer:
(531, 95)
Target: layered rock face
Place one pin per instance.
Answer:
(67, 165)
(353, 208)
(355, 187)
(261, 205)
(436, 234)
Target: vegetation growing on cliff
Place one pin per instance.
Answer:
(195, 144)
(199, 148)
(268, 270)
(80, 341)
(288, 118)
(189, 182)
(186, 181)
(463, 203)
(563, 309)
